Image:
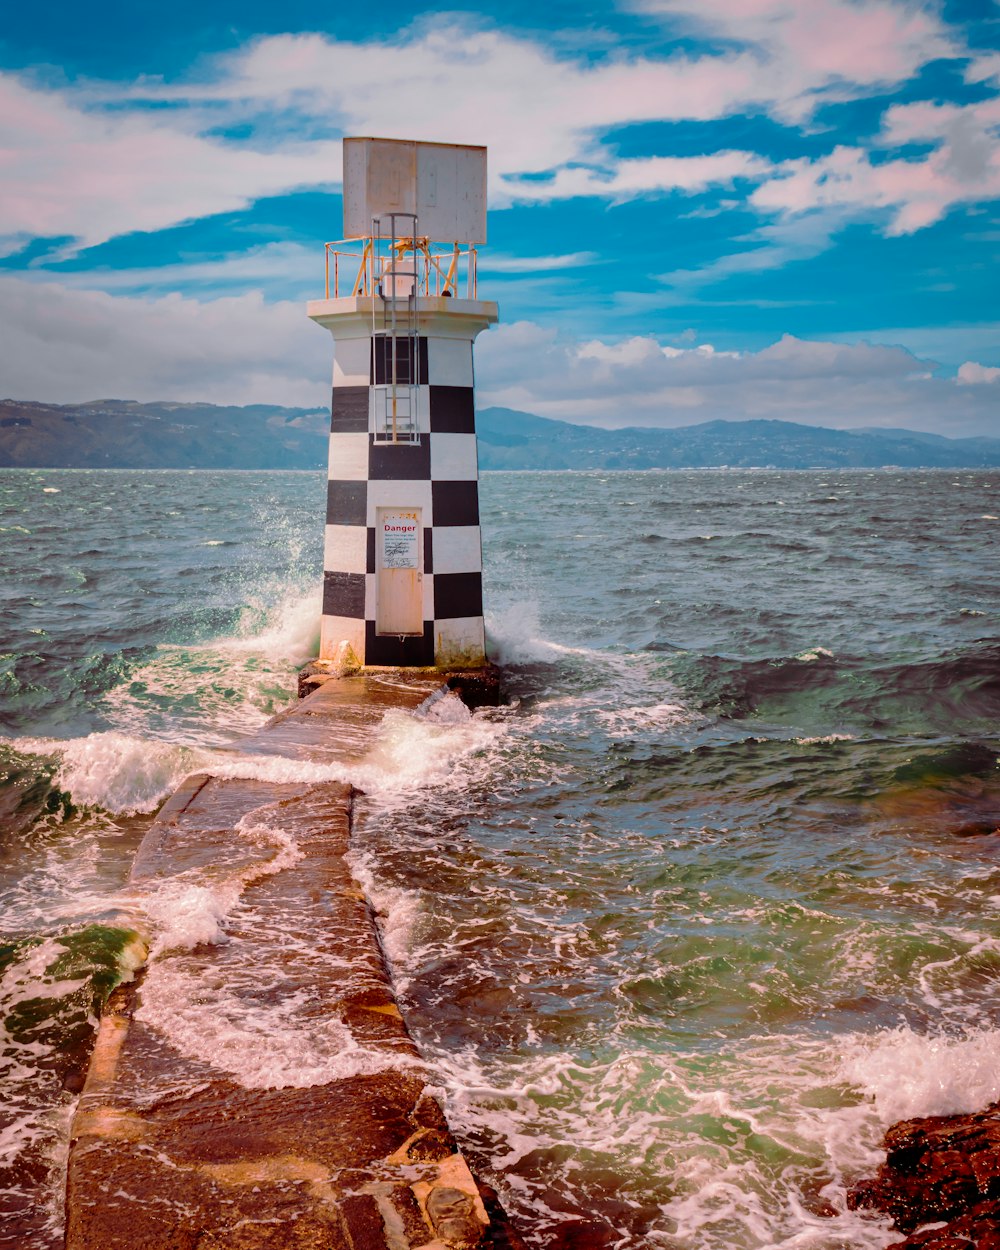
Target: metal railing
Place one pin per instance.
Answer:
(439, 271)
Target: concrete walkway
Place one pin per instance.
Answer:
(194, 1132)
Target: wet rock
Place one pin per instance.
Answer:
(500, 1233)
(478, 687)
(942, 1170)
(978, 1229)
(453, 1215)
(977, 828)
(583, 1235)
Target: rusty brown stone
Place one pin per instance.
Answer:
(977, 1229)
(583, 1235)
(414, 1225)
(500, 1233)
(940, 1169)
(364, 1222)
(453, 1215)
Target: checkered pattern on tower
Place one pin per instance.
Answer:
(438, 475)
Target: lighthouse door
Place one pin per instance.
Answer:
(399, 591)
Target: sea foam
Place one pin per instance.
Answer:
(238, 1016)
(189, 912)
(912, 1074)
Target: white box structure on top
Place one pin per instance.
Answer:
(442, 184)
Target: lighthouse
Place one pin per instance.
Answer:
(402, 579)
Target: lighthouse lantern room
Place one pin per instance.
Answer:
(402, 581)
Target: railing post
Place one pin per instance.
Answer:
(371, 262)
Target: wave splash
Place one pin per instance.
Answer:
(908, 1074)
(230, 684)
(250, 1014)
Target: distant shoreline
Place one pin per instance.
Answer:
(586, 472)
(125, 434)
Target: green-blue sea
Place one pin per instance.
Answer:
(681, 929)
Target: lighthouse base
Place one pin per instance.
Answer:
(480, 686)
(458, 642)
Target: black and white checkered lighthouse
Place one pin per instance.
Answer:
(402, 581)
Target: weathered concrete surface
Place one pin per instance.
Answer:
(478, 687)
(336, 721)
(192, 1132)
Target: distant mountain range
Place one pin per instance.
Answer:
(117, 433)
(517, 440)
(124, 434)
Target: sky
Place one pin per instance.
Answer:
(699, 209)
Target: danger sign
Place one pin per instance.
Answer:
(399, 541)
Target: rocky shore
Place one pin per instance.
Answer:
(940, 1182)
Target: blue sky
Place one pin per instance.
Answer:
(698, 208)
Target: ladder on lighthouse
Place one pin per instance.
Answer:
(394, 329)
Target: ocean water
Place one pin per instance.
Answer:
(680, 931)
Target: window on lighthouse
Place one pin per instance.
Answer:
(411, 366)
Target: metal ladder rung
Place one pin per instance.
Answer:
(396, 401)
(404, 428)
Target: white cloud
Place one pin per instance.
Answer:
(496, 263)
(962, 168)
(949, 345)
(95, 160)
(94, 175)
(792, 237)
(285, 266)
(973, 374)
(984, 68)
(813, 49)
(568, 372)
(63, 345)
(641, 381)
(627, 179)
(536, 111)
